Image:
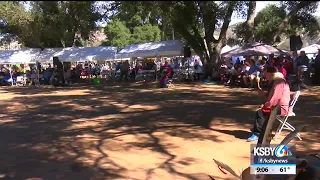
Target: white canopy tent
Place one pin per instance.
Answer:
(47, 54)
(152, 49)
(227, 48)
(312, 49)
(19, 56)
(72, 54)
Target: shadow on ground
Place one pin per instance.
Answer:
(123, 131)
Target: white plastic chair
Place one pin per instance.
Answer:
(283, 120)
(21, 81)
(170, 84)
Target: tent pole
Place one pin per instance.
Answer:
(11, 75)
(38, 73)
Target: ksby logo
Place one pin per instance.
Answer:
(282, 151)
(279, 151)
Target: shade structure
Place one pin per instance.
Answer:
(254, 49)
(312, 49)
(19, 56)
(227, 48)
(47, 54)
(82, 54)
(72, 54)
(152, 49)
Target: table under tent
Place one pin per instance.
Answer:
(18, 65)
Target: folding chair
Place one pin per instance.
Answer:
(21, 81)
(283, 120)
(170, 83)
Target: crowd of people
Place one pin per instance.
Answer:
(274, 71)
(250, 73)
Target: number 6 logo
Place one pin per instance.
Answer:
(282, 151)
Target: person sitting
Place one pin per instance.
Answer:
(282, 70)
(235, 74)
(271, 60)
(251, 74)
(47, 75)
(288, 65)
(215, 74)
(262, 66)
(278, 94)
(166, 74)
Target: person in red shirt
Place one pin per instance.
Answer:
(166, 74)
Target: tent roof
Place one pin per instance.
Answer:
(312, 49)
(47, 54)
(254, 49)
(78, 53)
(19, 56)
(152, 49)
(227, 48)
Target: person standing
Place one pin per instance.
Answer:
(302, 62)
(198, 68)
(124, 70)
(294, 60)
(317, 68)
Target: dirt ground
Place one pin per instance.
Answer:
(134, 131)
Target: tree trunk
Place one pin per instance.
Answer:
(290, 15)
(222, 41)
(250, 22)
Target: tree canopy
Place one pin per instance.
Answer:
(268, 24)
(120, 35)
(49, 23)
(69, 23)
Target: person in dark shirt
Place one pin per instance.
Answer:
(303, 59)
(317, 69)
(302, 62)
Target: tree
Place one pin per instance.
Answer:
(194, 21)
(145, 33)
(300, 14)
(50, 23)
(117, 34)
(14, 20)
(265, 25)
(139, 13)
(270, 19)
(250, 21)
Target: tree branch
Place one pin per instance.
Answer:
(250, 22)
(227, 19)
